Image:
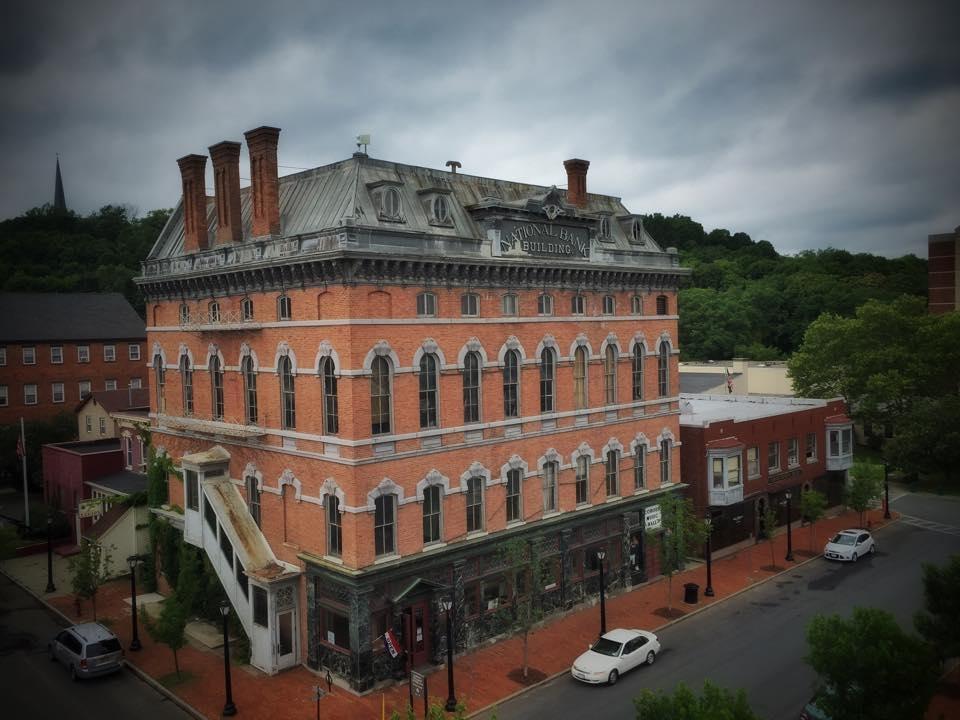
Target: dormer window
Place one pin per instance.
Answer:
(441, 210)
(390, 205)
(636, 232)
(603, 227)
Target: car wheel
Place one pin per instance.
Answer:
(651, 657)
(853, 558)
(614, 676)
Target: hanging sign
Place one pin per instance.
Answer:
(651, 517)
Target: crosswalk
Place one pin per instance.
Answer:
(930, 525)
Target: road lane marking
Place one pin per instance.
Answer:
(930, 525)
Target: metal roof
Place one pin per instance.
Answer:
(62, 317)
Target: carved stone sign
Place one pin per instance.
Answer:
(544, 239)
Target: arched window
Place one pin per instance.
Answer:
(550, 471)
(639, 468)
(545, 304)
(636, 305)
(609, 305)
(253, 498)
(511, 384)
(184, 314)
(514, 495)
(160, 381)
(665, 462)
(475, 504)
(284, 308)
(583, 479)
(548, 376)
(213, 312)
(510, 304)
(610, 373)
(186, 381)
(249, 390)
(384, 525)
(432, 496)
(471, 387)
(663, 369)
(580, 378)
(216, 388)
(612, 474)
(428, 391)
(380, 395)
(288, 407)
(328, 379)
(334, 528)
(246, 309)
(470, 305)
(426, 304)
(661, 304)
(637, 372)
(577, 304)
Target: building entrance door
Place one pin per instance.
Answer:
(418, 641)
(286, 639)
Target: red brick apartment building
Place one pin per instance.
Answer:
(370, 375)
(741, 454)
(56, 348)
(943, 272)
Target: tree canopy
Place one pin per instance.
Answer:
(714, 703)
(939, 621)
(869, 668)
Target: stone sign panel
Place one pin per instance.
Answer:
(544, 239)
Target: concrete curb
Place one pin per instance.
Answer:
(692, 613)
(173, 697)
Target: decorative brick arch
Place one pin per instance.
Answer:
(583, 449)
(639, 339)
(640, 441)
(185, 350)
(248, 352)
(551, 455)
(512, 343)
(548, 342)
(664, 339)
(284, 350)
(324, 350)
(612, 444)
(213, 350)
(288, 478)
(158, 350)
(611, 339)
(514, 463)
(429, 346)
(434, 477)
(476, 469)
(580, 341)
(380, 349)
(384, 487)
(472, 345)
(251, 471)
(330, 487)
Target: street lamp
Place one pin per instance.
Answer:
(228, 707)
(603, 605)
(886, 491)
(451, 705)
(789, 557)
(709, 523)
(132, 564)
(50, 586)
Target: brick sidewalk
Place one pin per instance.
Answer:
(481, 676)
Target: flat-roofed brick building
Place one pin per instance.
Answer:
(370, 375)
(943, 289)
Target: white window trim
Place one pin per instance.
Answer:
(53, 359)
(53, 392)
(81, 351)
(130, 351)
(33, 353)
(36, 398)
(113, 352)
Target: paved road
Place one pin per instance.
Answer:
(756, 640)
(34, 687)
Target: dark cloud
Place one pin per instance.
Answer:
(806, 124)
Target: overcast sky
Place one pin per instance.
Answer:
(808, 124)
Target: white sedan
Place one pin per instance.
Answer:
(614, 654)
(850, 545)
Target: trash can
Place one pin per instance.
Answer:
(690, 593)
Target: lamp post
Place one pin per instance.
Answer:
(228, 707)
(789, 557)
(708, 521)
(886, 491)
(50, 586)
(451, 705)
(603, 604)
(132, 562)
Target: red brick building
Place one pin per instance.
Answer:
(741, 454)
(943, 289)
(68, 467)
(55, 348)
(370, 375)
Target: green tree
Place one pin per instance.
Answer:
(682, 534)
(89, 569)
(813, 504)
(939, 621)
(714, 703)
(869, 668)
(866, 482)
(768, 526)
(169, 627)
(927, 439)
(524, 570)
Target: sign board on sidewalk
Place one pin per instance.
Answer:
(651, 517)
(417, 683)
(91, 507)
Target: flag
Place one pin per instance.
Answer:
(729, 381)
(20, 452)
(390, 643)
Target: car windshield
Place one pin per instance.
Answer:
(104, 647)
(841, 539)
(607, 647)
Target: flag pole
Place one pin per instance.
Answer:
(26, 494)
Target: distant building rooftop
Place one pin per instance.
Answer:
(701, 410)
(124, 482)
(42, 317)
(88, 447)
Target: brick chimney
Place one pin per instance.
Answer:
(226, 181)
(192, 173)
(577, 181)
(264, 183)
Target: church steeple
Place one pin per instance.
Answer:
(59, 200)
